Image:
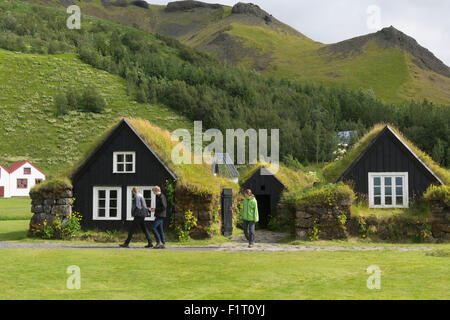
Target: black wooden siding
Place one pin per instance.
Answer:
(388, 154)
(98, 171)
(272, 187)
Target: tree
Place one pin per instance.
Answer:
(61, 104)
(91, 101)
(438, 153)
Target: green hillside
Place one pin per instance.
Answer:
(249, 36)
(46, 61)
(29, 128)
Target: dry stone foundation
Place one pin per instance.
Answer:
(202, 206)
(47, 206)
(327, 218)
(440, 224)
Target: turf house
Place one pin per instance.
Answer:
(136, 153)
(387, 168)
(268, 187)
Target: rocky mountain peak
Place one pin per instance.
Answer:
(423, 57)
(252, 10)
(189, 5)
(392, 37)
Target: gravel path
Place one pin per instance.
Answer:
(266, 241)
(225, 247)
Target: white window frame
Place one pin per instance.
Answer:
(393, 175)
(95, 204)
(124, 153)
(130, 199)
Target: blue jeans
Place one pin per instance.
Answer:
(158, 230)
(249, 231)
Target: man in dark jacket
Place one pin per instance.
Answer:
(160, 213)
(140, 212)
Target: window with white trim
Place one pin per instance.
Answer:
(107, 203)
(150, 200)
(388, 190)
(124, 162)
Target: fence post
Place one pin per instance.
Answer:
(226, 203)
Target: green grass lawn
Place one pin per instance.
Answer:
(153, 274)
(150, 274)
(15, 208)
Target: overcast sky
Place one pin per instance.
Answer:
(329, 21)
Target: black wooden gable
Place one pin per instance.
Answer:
(122, 126)
(387, 152)
(267, 189)
(264, 175)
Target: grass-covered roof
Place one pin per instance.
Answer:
(334, 170)
(195, 177)
(293, 180)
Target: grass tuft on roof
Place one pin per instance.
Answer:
(197, 178)
(334, 170)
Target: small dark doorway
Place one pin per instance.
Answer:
(264, 208)
(2, 192)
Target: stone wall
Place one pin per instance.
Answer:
(327, 218)
(397, 228)
(202, 206)
(47, 205)
(440, 223)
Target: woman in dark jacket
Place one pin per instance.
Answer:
(160, 214)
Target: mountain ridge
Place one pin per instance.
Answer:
(389, 37)
(388, 62)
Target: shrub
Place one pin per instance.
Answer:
(90, 56)
(327, 195)
(274, 224)
(72, 226)
(214, 229)
(132, 40)
(48, 231)
(314, 233)
(190, 221)
(239, 221)
(53, 47)
(91, 101)
(59, 230)
(73, 99)
(441, 193)
(61, 104)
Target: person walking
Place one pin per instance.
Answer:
(250, 216)
(139, 212)
(160, 213)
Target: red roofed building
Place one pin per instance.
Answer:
(19, 178)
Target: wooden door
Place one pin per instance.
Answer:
(2, 192)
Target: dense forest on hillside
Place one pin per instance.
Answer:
(160, 69)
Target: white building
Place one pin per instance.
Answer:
(18, 179)
(4, 182)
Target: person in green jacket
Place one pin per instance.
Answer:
(250, 216)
